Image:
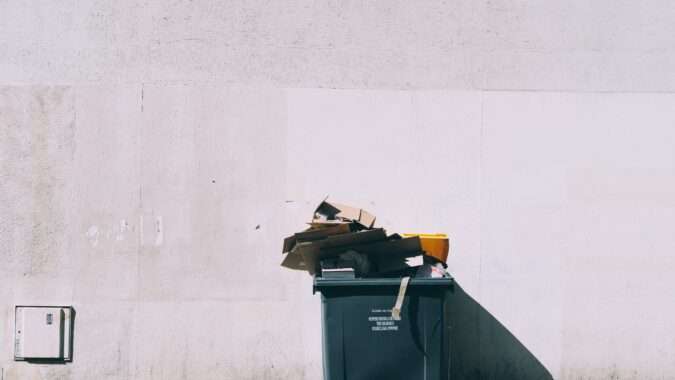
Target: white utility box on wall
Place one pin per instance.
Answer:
(43, 332)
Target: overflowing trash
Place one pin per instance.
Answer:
(342, 242)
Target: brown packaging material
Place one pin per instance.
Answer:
(314, 251)
(293, 260)
(314, 234)
(328, 212)
(399, 247)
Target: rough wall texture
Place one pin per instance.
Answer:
(457, 44)
(154, 154)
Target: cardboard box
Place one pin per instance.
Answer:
(328, 212)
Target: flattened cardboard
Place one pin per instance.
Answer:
(370, 243)
(404, 246)
(314, 234)
(289, 243)
(362, 237)
(312, 252)
(322, 232)
(293, 260)
(327, 223)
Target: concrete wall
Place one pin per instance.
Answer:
(153, 156)
(603, 45)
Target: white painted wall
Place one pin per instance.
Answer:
(141, 145)
(601, 45)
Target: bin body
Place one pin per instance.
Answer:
(362, 342)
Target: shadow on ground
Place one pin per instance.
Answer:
(482, 348)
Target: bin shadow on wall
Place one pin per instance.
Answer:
(482, 348)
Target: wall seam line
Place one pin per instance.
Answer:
(480, 226)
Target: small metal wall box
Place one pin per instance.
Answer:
(43, 333)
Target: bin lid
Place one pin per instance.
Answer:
(320, 283)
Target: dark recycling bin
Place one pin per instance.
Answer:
(362, 342)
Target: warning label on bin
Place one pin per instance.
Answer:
(381, 320)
